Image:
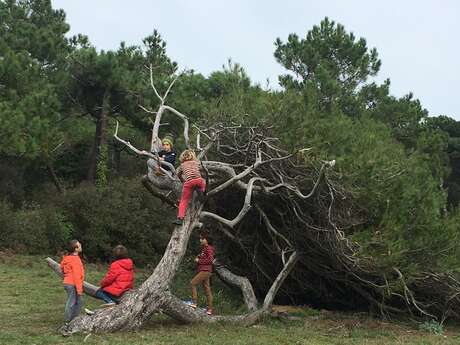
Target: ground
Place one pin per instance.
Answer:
(32, 301)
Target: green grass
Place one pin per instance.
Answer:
(32, 302)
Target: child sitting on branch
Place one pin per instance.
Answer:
(119, 278)
(167, 154)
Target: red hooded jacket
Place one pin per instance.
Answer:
(119, 278)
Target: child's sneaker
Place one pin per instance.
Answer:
(89, 312)
(209, 311)
(178, 221)
(190, 304)
(106, 305)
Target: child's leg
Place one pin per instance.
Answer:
(77, 306)
(71, 300)
(194, 282)
(187, 191)
(202, 185)
(106, 297)
(207, 290)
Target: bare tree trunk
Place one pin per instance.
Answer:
(100, 138)
(88, 288)
(137, 306)
(154, 294)
(54, 178)
(116, 157)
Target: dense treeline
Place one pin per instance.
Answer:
(62, 175)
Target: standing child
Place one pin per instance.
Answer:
(119, 278)
(74, 273)
(189, 174)
(204, 267)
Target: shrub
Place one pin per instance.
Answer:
(121, 213)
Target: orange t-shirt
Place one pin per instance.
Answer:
(73, 271)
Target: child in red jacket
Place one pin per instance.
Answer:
(74, 274)
(119, 278)
(204, 267)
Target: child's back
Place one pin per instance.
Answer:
(189, 170)
(189, 174)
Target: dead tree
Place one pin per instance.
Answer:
(154, 294)
(287, 216)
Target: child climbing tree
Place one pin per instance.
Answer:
(285, 206)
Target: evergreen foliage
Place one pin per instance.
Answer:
(60, 97)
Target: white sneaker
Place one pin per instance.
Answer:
(106, 305)
(89, 312)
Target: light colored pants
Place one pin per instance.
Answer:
(203, 278)
(73, 304)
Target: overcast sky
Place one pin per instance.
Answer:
(417, 40)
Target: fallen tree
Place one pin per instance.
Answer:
(286, 216)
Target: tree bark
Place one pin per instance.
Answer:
(116, 157)
(54, 178)
(242, 282)
(88, 288)
(100, 137)
(138, 305)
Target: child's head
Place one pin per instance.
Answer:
(120, 252)
(167, 144)
(74, 246)
(187, 155)
(205, 238)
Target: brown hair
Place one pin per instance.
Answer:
(120, 252)
(71, 246)
(205, 234)
(187, 155)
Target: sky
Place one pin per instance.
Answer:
(417, 40)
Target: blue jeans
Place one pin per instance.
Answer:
(73, 304)
(105, 296)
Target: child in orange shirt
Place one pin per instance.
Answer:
(74, 274)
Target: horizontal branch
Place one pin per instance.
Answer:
(246, 207)
(88, 288)
(296, 190)
(228, 170)
(246, 172)
(243, 283)
(131, 147)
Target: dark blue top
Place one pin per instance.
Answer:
(169, 157)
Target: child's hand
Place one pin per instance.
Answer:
(196, 259)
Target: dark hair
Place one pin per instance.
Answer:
(72, 246)
(205, 234)
(120, 252)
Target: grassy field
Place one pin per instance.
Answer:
(32, 301)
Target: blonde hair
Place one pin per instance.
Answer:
(187, 155)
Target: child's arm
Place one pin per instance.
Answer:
(179, 172)
(77, 278)
(170, 158)
(206, 257)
